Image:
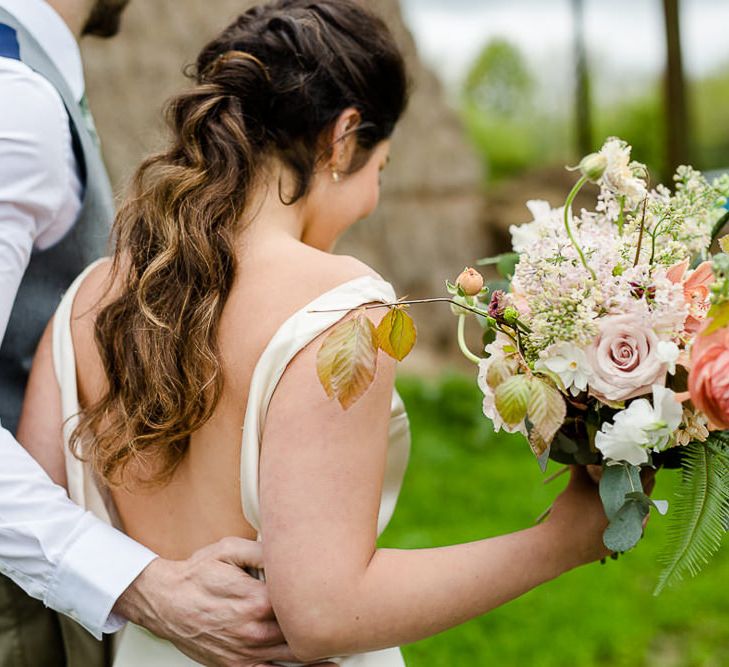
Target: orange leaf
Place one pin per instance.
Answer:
(347, 360)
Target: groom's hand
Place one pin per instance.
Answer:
(209, 607)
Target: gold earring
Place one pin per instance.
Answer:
(335, 175)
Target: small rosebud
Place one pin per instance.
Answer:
(593, 166)
(470, 281)
(511, 315)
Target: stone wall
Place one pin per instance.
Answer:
(429, 221)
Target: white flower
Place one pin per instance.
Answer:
(641, 427)
(570, 364)
(668, 353)
(524, 236)
(619, 177)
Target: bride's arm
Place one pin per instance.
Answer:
(40, 429)
(333, 592)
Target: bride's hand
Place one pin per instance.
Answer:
(579, 519)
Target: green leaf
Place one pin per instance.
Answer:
(661, 506)
(396, 334)
(698, 517)
(616, 482)
(505, 263)
(626, 528)
(719, 316)
(347, 360)
(512, 397)
(547, 409)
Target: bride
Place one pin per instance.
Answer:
(207, 320)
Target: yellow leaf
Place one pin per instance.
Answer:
(719, 316)
(396, 334)
(511, 398)
(724, 243)
(347, 360)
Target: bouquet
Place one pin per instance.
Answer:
(607, 344)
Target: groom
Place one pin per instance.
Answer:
(55, 208)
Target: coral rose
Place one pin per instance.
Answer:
(696, 286)
(709, 377)
(624, 359)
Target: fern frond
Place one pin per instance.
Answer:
(698, 513)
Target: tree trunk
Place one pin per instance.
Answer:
(583, 109)
(677, 131)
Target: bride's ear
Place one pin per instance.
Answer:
(343, 140)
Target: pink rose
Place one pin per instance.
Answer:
(624, 359)
(709, 377)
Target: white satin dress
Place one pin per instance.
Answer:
(135, 646)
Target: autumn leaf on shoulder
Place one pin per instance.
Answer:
(347, 360)
(396, 333)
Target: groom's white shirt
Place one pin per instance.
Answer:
(52, 548)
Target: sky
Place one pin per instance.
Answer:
(626, 39)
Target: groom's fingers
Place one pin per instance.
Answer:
(235, 551)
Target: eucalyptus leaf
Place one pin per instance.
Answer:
(626, 528)
(617, 481)
(543, 459)
(661, 506)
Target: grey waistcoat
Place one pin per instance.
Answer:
(51, 271)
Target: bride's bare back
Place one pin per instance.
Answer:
(201, 503)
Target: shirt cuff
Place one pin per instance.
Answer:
(94, 571)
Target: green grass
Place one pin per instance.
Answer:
(466, 483)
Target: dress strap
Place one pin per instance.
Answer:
(80, 488)
(293, 335)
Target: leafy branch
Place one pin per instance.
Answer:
(700, 510)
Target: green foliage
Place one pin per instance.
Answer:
(512, 134)
(710, 119)
(500, 115)
(618, 488)
(641, 122)
(499, 83)
(697, 515)
(466, 483)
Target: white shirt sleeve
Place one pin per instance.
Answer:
(51, 547)
(40, 192)
(56, 551)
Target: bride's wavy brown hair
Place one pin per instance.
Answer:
(269, 86)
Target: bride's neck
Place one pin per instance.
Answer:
(268, 218)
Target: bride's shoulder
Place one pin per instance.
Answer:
(332, 270)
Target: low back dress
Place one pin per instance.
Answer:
(136, 646)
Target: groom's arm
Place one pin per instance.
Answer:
(78, 565)
(207, 604)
